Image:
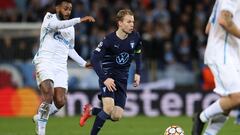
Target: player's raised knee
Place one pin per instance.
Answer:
(108, 109)
(236, 98)
(116, 117)
(117, 113)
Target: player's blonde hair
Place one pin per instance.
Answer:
(122, 13)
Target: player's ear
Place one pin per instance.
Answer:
(119, 23)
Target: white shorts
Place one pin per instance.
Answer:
(227, 78)
(58, 74)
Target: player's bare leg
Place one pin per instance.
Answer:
(230, 102)
(88, 111)
(46, 88)
(117, 113)
(59, 100)
(59, 97)
(222, 106)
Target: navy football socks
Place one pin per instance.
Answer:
(99, 122)
(95, 111)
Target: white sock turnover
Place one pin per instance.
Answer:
(211, 111)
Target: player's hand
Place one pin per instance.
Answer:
(87, 19)
(109, 83)
(136, 80)
(225, 18)
(88, 65)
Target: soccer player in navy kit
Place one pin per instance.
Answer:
(111, 61)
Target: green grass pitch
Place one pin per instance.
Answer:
(139, 125)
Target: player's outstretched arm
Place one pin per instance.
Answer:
(87, 19)
(225, 20)
(61, 24)
(74, 55)
(57, 24)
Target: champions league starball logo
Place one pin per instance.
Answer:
(122, 58)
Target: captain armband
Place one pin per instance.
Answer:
(138, 51)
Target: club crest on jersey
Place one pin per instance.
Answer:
(132, 44)
(122, 58)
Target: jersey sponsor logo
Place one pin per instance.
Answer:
(132, 44)
(58, 36)
(122, 58)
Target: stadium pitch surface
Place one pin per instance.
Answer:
(139, 125)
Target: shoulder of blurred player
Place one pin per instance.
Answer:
(135, 33)
(48, 15)
(110, 35)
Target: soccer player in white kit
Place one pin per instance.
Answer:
(56, 44)
(223, 57)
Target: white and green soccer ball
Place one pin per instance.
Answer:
(174, 130)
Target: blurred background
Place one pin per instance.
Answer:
(174, 79)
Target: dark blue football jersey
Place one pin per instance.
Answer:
(113, 56)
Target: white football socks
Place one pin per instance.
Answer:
(43, 114)
(211, 111)
(41, 127)
(215, 124)
(53, 109)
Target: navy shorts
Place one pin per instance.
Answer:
(119, 96)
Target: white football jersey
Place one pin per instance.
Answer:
(222, 47)
(56, 38)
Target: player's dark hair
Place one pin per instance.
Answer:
(122, 13)
(58, 2)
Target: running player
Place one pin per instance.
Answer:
(56, 44)
(111, 61)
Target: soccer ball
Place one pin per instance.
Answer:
(174, 130)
